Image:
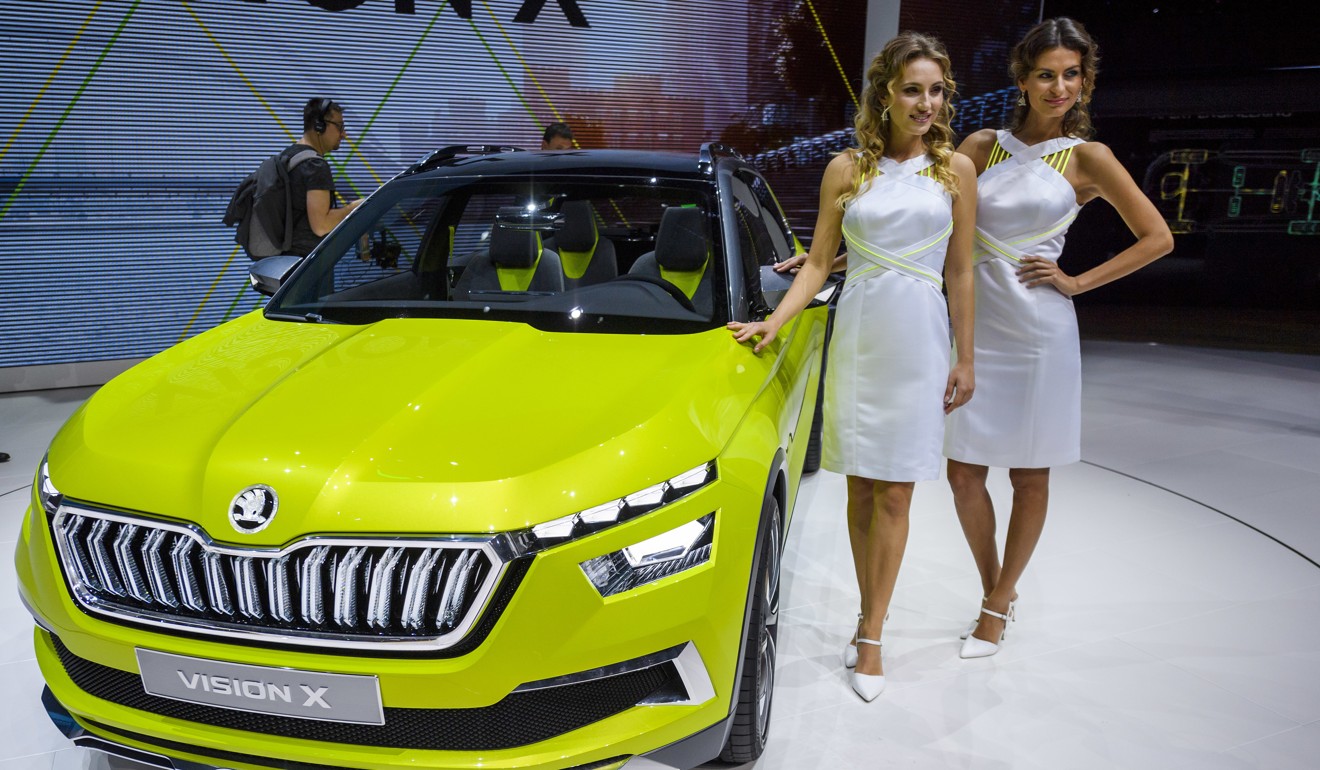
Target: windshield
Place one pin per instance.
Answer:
(561, 254)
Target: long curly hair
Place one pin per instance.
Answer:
(1061, 32)
(872, 126)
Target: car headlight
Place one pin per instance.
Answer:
(681, 548)
(47, 494)
(606, 515)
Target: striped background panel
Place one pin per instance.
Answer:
(125, 125)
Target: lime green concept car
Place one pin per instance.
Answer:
(487, 484)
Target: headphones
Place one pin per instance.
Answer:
(322, 109)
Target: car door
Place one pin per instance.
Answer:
(764, 239)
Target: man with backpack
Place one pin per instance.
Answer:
(287, 205)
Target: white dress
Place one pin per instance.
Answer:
(1026, 412)
(889, 354)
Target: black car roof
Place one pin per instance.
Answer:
(595, 162)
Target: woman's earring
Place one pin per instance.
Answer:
(884, 116)
(1022, 98)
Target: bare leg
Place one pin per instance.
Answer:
(861, 504)
(884, 544)
(1031, 496)
(976, 513)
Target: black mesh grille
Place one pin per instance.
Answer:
(601, 763)
(520, 719)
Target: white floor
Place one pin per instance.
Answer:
(1170, 619)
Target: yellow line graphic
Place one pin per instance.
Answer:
(188, 326)
(847, 83)
(526, 67)
(234, 64)
(50, 79)
(544, 96)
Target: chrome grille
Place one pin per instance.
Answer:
(332, 592)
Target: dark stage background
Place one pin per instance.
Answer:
(1214, 108)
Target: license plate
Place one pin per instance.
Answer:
(261, 689)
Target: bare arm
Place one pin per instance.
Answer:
(958, 282)
(824, 244)
(321, 216)
(977, 147)
(793, 263)
(1100, 175)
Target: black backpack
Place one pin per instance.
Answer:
(262, 207)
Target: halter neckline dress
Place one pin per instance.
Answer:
(1026, 412)
(889, 354)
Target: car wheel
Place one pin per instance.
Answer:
(751, 720)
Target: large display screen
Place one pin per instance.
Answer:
(126, 125)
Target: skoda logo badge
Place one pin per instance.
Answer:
(253, 508)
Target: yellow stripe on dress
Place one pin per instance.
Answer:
(997, 155)
(854, 242)
(1059, 160)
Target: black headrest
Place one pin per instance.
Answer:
(511, 247)
(579, 230)
(681, 243)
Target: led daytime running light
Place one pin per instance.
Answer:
(49, 496)
(605, 515)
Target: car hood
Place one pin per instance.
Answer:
(402, 426)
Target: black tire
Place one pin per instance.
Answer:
(751, 720)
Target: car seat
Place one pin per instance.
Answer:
(515, 261)
(586, 257)
(681, 256)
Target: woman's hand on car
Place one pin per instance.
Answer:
(750, 332)
(791, 264)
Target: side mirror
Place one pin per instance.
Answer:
(774, 285)
(267, 274)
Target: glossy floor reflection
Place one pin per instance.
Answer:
(1170, 619)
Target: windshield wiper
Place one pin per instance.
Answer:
(315, 318)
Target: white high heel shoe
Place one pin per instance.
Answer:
(868, 686)
(850, 649)
(971, 627)
(980, 648)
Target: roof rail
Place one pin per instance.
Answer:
(457, 151)
(711, 150)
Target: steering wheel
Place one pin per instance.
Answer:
(669, 288)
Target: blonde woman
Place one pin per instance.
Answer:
(1033, 179)
(906, 203)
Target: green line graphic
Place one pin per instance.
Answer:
(68, 109)
(535, 118)
(244, 290)
(341, 165)
(389, 92)
(50, 79)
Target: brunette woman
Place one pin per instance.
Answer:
(1033, 178)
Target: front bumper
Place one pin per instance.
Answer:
(482, 709)
(685, 753)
